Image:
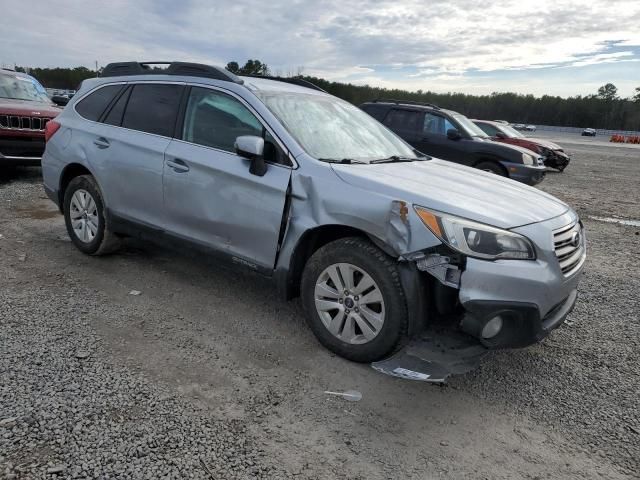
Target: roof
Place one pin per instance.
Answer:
(414, 105)
(490, 122)
(177, 71)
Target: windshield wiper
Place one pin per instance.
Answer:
(344, 161)
(396, 158)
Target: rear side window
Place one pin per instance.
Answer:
(153, 108)
(404, 120)
(114, 117)
(93, 105)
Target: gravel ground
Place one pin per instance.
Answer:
(206, 374)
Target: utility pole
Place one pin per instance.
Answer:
(96, 68)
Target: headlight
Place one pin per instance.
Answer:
(527, 159)
(476, 239)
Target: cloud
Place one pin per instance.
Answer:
(401, 41)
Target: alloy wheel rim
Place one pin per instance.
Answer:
(84, 216)
(349, 303)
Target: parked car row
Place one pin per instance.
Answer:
(522, 126)
(552, 154)
(451, 136)
(281, 178)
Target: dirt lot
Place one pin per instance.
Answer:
(206, 374)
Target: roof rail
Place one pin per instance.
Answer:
(293, 80)
(406, 102)
(119, 69)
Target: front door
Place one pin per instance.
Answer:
(209, 195)
(434, 137)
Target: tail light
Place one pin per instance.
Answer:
(50, 128)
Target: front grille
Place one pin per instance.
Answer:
(570, 248)
(17, 122)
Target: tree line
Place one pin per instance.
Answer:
(604, 109)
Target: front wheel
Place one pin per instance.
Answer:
(492, 167)
(353, 300)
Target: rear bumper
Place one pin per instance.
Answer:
(53, 195)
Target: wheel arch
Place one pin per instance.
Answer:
(288, 279)
(70, 172)
(491, 159)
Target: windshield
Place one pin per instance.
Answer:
(510, 131)
(332, 129)
(21, 87)
(469, 127)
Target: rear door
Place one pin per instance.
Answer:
(407, 124)
(209, 195)
(131, 141)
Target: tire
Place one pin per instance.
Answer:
(83, 207)
(360, 335)
(491, 167)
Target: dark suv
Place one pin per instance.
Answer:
(25, 111)
(451, 136)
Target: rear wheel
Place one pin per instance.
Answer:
(353, 300)
(491, 167)
(85, 219)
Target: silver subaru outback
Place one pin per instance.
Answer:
(278, 177)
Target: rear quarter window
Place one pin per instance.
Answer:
(93, 105)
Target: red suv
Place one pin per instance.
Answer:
(25, 110)
(554, 156)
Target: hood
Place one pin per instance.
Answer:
(457, 190)
(509, 151)
(10, 106)
(544, 143)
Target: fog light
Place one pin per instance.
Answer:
(492, 327)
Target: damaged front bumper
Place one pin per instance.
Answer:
(556, 159)
(505, 303)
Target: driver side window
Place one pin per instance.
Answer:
(488, 129)
(436, 124)
(214, 119)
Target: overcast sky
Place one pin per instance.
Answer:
(542, 47)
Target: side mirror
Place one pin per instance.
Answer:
(252, 148)
(60, 100)
(500, 135)
(453, 134)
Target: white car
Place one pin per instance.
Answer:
(530, 128)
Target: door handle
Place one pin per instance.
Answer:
(178, 165)
(101, 142)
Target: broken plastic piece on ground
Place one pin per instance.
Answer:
(135, 292)
(433, 356)
(349, 395)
